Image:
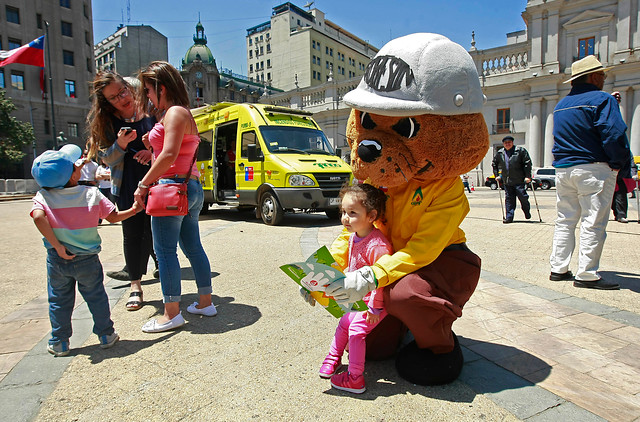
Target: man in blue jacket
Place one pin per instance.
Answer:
(590, 146)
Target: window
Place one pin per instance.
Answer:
(87, 38)
(268, 48)
(66, 29)
(47, 127)
(39, 20)
(70, 88)
(503, 120)
(586, 47)
(2, 79)
(72, 129)
(89, 66)
(13, 15)
(65, 3)
(14, 43)
(251, 54)
(67, 57)
(261, 50)
(199, 92)
(250, 68)
(248, 138)
(85, 9)
(17, 80)
(268, 63)
(232, 95)
(250, 41)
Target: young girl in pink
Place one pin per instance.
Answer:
(361, 206)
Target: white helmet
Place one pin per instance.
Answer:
(417, 74)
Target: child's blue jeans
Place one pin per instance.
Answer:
(62, 276)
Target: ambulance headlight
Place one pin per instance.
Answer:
(300, 180)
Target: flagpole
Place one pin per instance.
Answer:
(53, 115)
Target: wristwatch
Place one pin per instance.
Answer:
(142, 185)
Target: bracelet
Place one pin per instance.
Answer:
(142, 185)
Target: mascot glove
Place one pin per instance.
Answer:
(307, 296)
(353, 287)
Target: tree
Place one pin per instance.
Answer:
(14, 136)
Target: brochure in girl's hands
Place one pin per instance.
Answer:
(315, 274)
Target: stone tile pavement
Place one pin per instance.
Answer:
(540, 350)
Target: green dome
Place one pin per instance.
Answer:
(200, 52)
(199, 49)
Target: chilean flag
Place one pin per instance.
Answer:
(32, 53)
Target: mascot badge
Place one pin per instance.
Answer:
(415, 127)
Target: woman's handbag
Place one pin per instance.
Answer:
(167, 199)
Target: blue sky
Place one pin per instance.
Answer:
(225, 22)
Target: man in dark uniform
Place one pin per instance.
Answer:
(512, 166)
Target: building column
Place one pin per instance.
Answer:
(548, 132)
(634, 133)
(535, 141)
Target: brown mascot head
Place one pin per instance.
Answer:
(417, 113)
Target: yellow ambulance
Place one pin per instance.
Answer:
(270, 158)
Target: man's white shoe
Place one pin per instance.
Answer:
(153, 326)
(206, 311)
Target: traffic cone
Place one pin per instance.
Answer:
(472, 188)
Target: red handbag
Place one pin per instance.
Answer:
(168, 199)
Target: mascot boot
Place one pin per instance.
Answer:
(415, 127)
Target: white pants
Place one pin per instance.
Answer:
(584, 193)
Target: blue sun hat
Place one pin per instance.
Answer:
(53, 169)
(417, 74)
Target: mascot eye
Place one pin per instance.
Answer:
(407, 127)
(366, 121)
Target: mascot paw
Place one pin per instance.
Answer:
(423, 367)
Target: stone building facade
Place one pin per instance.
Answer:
(298, 48)
(523, 80)
(131, 48)
(207, 85)
(70, 47)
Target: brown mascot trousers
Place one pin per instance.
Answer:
(427, 302)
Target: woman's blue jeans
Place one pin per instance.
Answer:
(62, 276)
(170, 231)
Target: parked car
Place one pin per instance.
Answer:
(547, 176)
(491, 182)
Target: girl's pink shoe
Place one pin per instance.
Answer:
(330, 366)
(346, 382)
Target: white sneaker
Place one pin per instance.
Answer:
(207, 311)
(153, 326)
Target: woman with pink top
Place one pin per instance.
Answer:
(174, 140)
(361, 206)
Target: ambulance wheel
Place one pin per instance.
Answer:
(270, 209)
(333, 213)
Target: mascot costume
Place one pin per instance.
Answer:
(415, 127)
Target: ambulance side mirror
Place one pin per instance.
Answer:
(339, 152)
(252, 153)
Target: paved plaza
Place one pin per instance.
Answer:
(535, 350)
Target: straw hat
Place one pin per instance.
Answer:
(585, 66)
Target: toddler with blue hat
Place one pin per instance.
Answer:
(67, 216)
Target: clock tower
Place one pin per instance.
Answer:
(199, 71)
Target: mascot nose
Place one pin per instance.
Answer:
(369, 150)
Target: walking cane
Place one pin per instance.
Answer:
(637, 200)
(500, 194)
(535, 198)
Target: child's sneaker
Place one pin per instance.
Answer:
(346, 382)
(61, 348)
(330, 366)
(108, 341)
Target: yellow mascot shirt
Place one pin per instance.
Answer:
(423, 217)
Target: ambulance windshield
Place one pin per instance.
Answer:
(295, 140)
